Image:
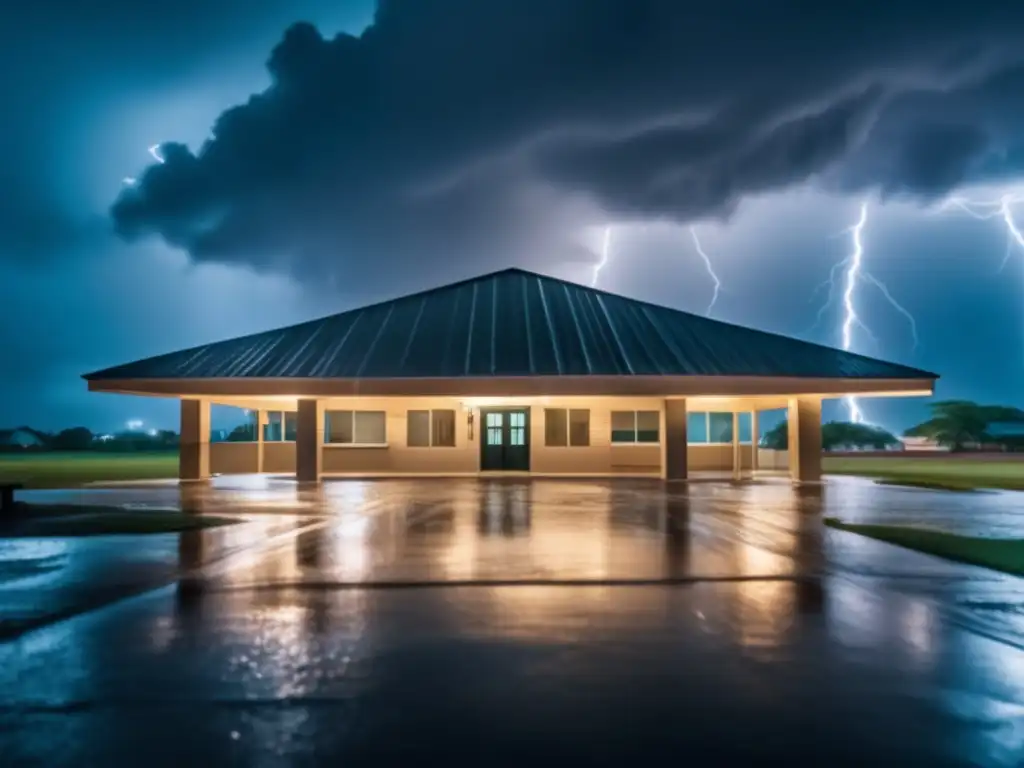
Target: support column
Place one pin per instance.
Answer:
(673, 452)
(194, 440)
(309, 439)
(805, 439)
(737, 457)
(261, 418)
(755, 438)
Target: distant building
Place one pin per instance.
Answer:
(921, 444)
(507, 372)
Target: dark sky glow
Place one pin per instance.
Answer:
(313, 166)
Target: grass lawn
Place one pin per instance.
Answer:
(66, 470)
(945, 472)
(99, 521)
(999, 554)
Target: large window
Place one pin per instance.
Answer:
(426, 429)
(355, 428)
(635, 426)
(566, 427)
(281, 425)
(715, 427)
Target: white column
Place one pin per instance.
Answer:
(755, 435)
(194, 440)
(261, 418)
(737, 457)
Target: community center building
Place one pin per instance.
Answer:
(510, 372)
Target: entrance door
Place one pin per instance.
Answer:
(505, 439)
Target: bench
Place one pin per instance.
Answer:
(7, 496)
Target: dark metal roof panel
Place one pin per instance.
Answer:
(510, 323)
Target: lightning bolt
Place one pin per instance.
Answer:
(606, 249)
(154, 150)
(710, 268)
(985, 210)
(854, 275)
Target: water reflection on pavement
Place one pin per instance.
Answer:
(491, 622)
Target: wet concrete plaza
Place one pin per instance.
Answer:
(493, 622)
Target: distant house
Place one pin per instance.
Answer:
(20, 438)
(921, 444)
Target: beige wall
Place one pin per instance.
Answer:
(771, 459)
(233, 458)
(601, 457)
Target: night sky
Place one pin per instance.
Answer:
(320, 155)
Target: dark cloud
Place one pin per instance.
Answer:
(458, 131)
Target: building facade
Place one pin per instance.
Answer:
(511, 372)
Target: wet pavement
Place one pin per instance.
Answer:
(491, 622)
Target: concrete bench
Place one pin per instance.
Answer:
(7, 496)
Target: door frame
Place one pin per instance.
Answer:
(505, 409)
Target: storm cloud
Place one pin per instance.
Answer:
(472, 135)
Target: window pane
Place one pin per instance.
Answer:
(338, 427)
(745, 427)
(444, 428)
(417, 429)
(369, 428)
(272, 429)
(579, 427)
(648, 425)
(623, 426)
(720, 428)
(555, 429)
(291, 423)
(697, 427)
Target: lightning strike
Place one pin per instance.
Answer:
(606, 248)
(710, 268)
(154, 150)
(853, 276)
(985, 210)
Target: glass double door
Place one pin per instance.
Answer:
(505, 439)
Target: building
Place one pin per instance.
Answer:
(508, 372)
(912, 443)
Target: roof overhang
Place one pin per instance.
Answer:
(524, 386)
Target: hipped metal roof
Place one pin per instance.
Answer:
(510, 323)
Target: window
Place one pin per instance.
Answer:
(635, 426)
(291, 425)
(442, 429)
(356, 428)
(494, 428)
(556, 427)
(579, 427)
(563, 427)
(430, 428)
(272, 430)
(704, 427)
(720, 428)
(697, 427)
(517, 428)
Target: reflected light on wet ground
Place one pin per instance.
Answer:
(616, 621)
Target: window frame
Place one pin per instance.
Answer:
(354, 444)
(431, 432)
(707, 428)
(567, 413)
(636, 428)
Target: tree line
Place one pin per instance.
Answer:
(959, 425)
(27, 439)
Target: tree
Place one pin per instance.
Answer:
(834, 434)
(243, 433)
(840, 434)
(73, 439)
(776, 438)
(960, 423)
